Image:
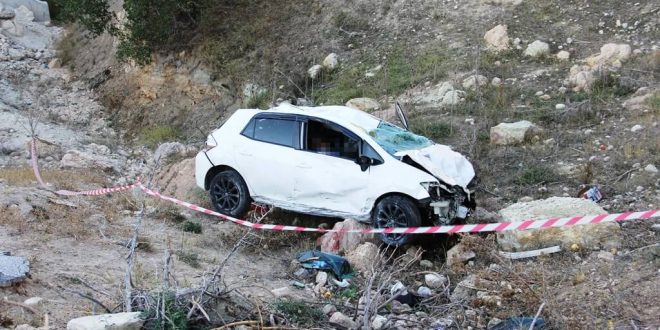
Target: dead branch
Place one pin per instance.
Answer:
(22, 305)
(88, 297)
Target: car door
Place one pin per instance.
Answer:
(328, 179)
(266, 157)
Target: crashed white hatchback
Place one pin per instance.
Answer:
(334, 161)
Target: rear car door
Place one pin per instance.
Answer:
(328, 179)
(266, 156)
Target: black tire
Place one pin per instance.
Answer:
(396, 211)
(229, 194)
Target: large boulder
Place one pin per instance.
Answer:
(438, 96)
(474, 81)
(497, 38)
(172, 149)
(74, 159)
(362, 258)
(118, 321)
(178, 180)
(363, 103)
(537, 48)
(513, 133)
(610, 55)
(38, 9)
(331, 62)
(343, 321)
(592, 236)
(342, 241)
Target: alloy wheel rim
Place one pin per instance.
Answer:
(226, 194)
(391, 215)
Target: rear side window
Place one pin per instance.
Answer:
(278, 131)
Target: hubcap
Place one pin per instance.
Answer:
(391, 215)
(226, 194)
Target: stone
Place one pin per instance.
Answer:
(438, 96)
(563, 55)
(379, 322)
(363, 103)
(321, 278)
(342, 241)
(39, 9)
(118, 321)
(435, 280)
(638, 103)
(459, 254)
(592, 236)
(605, 255)
(610, 55)
(74, 159)
(497, 38)
(473, 81)
(362, 258)
(496, 82)
(650, 168)
(23, 14)
(282, 292)
(328, 309)
(513, 133)
(331, 62)
(7, 13)
(13, 270)
(464, 289)
(426, 263)
(636, 128)
(178, 179)
(560, 106)
(251, 90)
(343, 321)
(33, 301)
(55, 63)
(452, 98)
(314, 71)
(425, 292)
(581, 77)
(169, 149)
(537, 48)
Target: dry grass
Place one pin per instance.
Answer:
(62, 179)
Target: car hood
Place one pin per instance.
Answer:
(443, 163)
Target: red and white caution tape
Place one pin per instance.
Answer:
(471, 228)
(95, 192)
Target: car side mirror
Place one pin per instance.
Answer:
(364, 162)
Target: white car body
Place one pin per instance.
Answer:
(320, 184)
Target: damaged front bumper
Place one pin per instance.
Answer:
(447, 205)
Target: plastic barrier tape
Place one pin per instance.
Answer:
(467, 228)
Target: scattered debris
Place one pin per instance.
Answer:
(326, 261)
(118, 321)
(529, 254)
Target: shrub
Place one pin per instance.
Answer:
(299, 312)
(191, 227)
(153, 136)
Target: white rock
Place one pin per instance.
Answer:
(282, 292)
(497, 38)
(169, 149)
(651, 168)
(23, 14)
(331, 61)
(496, 82)
(563, 55)
(33, 301)
(513, 133)
(425, 292)
(363, 103)
(426, 263)
(537, 48)
(342, 320)
(329, 309)
(435, 280)
(609, 55)
(459, 254)
(55, 63)
(118, 321)
(452, 98)
(560, 106)
(379, 322)
(313, 72)
(473, 81)
(592, 236)
(6, 13)
(605, 255)
(321, 278)
(636, 128)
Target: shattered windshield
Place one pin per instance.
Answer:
(394, 139)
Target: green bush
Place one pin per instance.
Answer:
(299, 312)
(191, 227)
(153, 136)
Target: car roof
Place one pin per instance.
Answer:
(344, 116)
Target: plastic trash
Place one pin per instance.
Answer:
(313, 259)
(592, 193)
(515, 323)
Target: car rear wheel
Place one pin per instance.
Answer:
(396, 211)
(229, 194)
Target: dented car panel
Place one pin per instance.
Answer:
(336, 161)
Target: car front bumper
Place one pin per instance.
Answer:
(202, 166)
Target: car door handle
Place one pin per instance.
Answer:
(304, 165)
(245, 153)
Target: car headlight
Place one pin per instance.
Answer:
(428, 184)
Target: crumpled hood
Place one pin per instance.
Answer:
(443, 163)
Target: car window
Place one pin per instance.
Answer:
(370, 152)
(279, 131)
(329, 140)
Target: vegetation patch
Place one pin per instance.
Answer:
(191, 227)
(190, 258)
(300, 313)
(154, 136)
(535, 174)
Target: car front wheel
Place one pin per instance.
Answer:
(229, 194)
(396, 211)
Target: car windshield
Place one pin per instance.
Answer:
(394, 139)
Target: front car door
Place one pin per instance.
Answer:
(328, 180)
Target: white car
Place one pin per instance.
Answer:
(334, 161)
